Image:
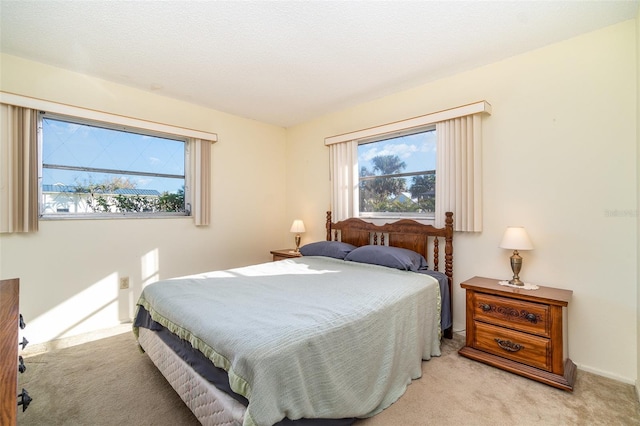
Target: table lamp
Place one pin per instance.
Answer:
(515, 238)
(298, 228)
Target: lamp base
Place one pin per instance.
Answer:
(516, 281)
(516, 265)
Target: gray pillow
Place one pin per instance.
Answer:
(335, 249)
(391, 257)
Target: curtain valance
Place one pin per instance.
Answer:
(420, 121)
(90, 114)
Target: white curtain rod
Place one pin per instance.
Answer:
(423, 120)
(70, 110)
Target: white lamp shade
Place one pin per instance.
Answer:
(297, 226)
(516, 238)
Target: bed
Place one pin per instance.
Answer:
(321, 339)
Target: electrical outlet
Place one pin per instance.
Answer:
(124, 283)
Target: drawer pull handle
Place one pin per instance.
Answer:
(532, 318)
(485, 307)
(508, 345)
(25, 399)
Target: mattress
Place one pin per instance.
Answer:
(211, 406)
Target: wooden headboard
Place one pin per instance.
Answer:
(404, 233)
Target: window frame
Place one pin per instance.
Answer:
(187, 213)
(426, 217)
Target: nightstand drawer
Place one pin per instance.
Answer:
(520, 347)
(515, 314)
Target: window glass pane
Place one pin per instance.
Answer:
(93, 169)
(397, 176)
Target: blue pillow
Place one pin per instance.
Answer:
(335, 249)
(391, 257)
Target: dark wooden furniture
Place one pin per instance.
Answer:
(284, 254)
(405, 233)
(520, 331)
(9, 320)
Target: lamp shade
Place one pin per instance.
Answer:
(297, 226)
(516, 238)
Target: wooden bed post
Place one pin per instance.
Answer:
(448, 265)
(448, 247)
(328, 225)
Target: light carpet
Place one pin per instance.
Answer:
(110, 382)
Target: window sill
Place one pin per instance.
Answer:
(67, 216)
(381, 219)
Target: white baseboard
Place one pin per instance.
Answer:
(66, 342)
(608, 375)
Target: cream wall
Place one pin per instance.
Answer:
(69, 270)
(638, 186)
(559, 157)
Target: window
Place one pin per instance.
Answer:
(92, 168)
(397, 175)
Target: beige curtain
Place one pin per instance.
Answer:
(18, 169)
(344, 180)
(459, 172)
(202, 182)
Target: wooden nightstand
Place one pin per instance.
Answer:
(520, 331)
(284, 254)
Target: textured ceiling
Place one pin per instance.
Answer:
(285, 62)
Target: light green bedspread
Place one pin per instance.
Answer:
(311, 337)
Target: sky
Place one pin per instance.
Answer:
(72, 144)
(418, 151)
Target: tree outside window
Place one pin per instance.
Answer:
(397, 176)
